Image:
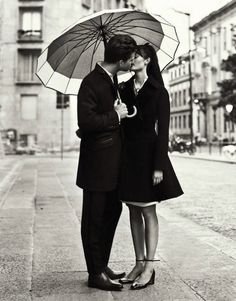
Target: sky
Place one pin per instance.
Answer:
(197, 8)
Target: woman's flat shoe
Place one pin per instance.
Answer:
(138, 286)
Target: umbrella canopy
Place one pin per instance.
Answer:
(72, 55)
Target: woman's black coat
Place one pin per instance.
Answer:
(145, 148)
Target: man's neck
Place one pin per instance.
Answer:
(112, 68)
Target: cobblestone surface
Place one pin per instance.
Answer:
(41, 251)
(210, 194)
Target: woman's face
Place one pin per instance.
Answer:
(139, 63)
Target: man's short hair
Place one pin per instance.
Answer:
(119, 47)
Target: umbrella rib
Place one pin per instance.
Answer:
(94, 23)
(116, 25)
(118, 19)
(84, 33)
(82, 38)
(90, 35)
(98, 42)
(161, 33)
(77, 62)
(147, 41)
(109, 17)
(65, 57)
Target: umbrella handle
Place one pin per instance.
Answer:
(132, 115)
(119, 101)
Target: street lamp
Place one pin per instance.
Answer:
(190, 73)
(229, 108)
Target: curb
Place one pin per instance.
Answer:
(201, 158)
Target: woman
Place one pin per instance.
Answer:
(147, 176)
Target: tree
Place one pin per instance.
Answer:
(228, 86)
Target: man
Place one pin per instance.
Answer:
(99, 120)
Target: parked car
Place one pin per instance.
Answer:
(180, 145)
(229, 150)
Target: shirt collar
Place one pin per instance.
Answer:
(109, 73)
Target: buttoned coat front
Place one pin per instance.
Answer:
(146, 144)
(100, 148)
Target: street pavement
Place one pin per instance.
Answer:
(41, 251)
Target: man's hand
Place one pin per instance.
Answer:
(121, 109)
(157, 177)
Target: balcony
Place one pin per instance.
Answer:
(29, 35)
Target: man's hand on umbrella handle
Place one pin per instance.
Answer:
(121, 109)
(119, 102)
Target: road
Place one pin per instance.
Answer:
(41, 256)
(210, 194)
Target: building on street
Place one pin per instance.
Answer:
(214, 39)
(28, 110)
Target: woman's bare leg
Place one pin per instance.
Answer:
(137, 231)
(151, 240)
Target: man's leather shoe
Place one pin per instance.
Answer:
(103, 282)
(114, 274)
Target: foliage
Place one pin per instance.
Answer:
(228, 86)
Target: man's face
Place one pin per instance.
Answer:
(126, 65)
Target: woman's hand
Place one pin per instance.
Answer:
(157, 176)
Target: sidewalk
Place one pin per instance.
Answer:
(41, 251)
(206, 156)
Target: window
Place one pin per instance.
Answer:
(30, 23)
(198, 121)
(232, 126)
(27, 64)
(225, 123)
(29, 107)
(28, 139)
(214, 42)
(184, 97)
(87, 3)
(97, 5)
(225, 38)
(107, 4)
(171, 122)
(180, 122)
(180, 98)
(214, 121)
(175, 122)
(175, 102)
(189, 121)
(171, 99)
(184, 121)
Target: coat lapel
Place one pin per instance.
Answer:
(103, 73)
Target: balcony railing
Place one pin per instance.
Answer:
(29, 35)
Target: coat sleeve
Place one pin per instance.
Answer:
(162, 140)
(89, 119)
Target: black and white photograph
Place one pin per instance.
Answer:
(117, 150)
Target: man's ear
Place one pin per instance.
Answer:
(121, 63)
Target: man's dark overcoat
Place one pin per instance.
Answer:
(100, 148)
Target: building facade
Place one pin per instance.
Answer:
(214, 41)
(179, 90)
(28, 109)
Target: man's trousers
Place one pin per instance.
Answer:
(100, 216)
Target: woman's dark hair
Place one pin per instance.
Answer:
(119, 47)
(153, 69)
